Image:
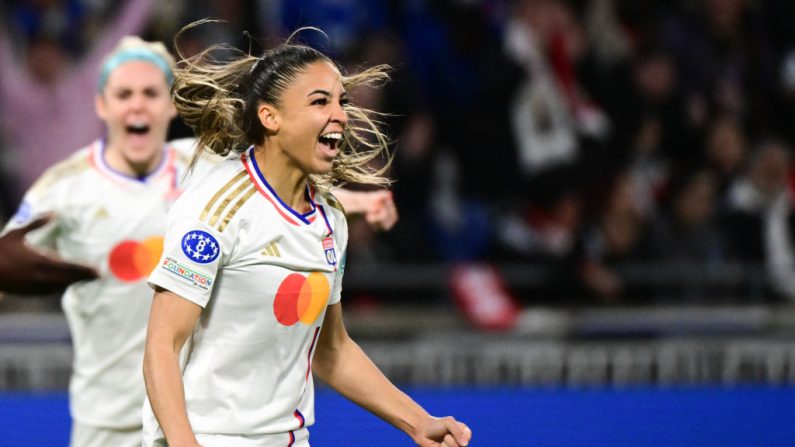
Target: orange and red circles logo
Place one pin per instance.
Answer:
(132, 261)
(301, 298)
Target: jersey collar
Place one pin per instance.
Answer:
(97, 156)
(290, 215)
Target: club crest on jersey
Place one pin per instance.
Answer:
(200, 246)
(331, 254)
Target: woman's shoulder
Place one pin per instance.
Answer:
(334, 209)
(216, 187)
(328, 198)
(65, 171)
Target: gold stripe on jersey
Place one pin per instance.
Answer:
(236, 207)
(333, 202)
(272, 249)
(66, 168)
(221, 192)
(231, 196)
(182, 157)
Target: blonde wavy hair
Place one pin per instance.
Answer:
(219, 100)
(134, 48)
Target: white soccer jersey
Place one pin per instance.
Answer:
(264, 275)
(114, 223)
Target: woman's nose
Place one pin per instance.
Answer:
(340, 115)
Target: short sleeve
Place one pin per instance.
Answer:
(192, 256)
(336, 288)
(37, 202)
(341, 233)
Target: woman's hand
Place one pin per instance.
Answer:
(443, 432)
(377, 207)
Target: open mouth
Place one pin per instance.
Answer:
(138, 129)
(331, 139)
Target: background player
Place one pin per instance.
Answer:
(109, 202)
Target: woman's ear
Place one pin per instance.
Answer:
(268, 117)
(99, 107)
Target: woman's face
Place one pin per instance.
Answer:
(311, 118)
(136, 107)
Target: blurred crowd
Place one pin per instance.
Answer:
(581, 135)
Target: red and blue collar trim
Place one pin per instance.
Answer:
(97, 158)
(325, 219)
(290, 215)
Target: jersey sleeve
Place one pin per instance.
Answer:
(342, 242)
(193, 253)
(42, 198)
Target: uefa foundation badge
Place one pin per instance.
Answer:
(331, 254)
(200, 246)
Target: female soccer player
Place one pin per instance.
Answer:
(109, 203)
(247, 300)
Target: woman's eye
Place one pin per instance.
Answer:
(344, 101)
(320, 101)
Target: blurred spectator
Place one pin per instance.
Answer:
(613, 240)
(758, 218)
(546, 231)
(725, 150)
(657, 113)
(726, 58)
(684, 235)
(413, 130)
(466, 81)
(50, 88)
(550, 112)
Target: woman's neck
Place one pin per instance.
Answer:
(286, 179)
(114, 157)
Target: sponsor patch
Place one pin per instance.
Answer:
(200, 246)
(197, 279)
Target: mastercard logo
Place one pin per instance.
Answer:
(301, 298)
(132, 261)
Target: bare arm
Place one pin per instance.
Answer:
(25, 270)
(342, 364)
(171, 322)
(377, 207)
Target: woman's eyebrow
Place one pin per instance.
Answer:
(322, 92)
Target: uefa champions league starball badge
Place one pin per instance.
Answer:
(200, 246)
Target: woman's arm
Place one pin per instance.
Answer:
(129, 20)
(26, 270)
(377, 207)
(342, 364)
(171, 322)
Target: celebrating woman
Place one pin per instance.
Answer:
(247, 301)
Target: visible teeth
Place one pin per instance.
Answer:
(138, 128)
(332, 136)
